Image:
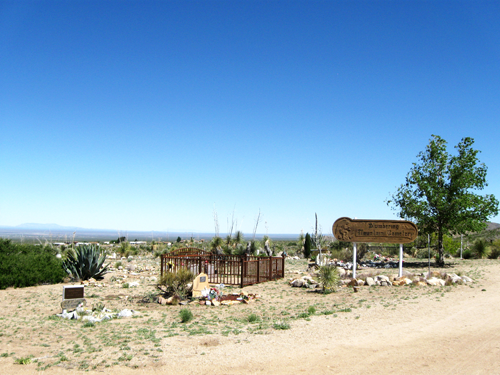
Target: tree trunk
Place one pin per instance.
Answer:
(440, 263)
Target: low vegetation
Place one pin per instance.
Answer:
(28, 265)
(86, 262)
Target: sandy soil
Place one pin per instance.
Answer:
(394, 330)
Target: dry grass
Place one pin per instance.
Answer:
(30, 329)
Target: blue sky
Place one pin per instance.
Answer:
(145, 115)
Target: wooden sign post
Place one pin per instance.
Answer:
(391, 231)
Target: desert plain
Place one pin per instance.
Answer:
(386, 330)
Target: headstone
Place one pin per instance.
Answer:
(73, 296)
(200, 283)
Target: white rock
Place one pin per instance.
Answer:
(126, 313)
(370, 281)
(467, 279)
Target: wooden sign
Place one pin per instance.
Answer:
(391, 231)
(72, 296)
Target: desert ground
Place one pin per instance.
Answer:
(386, 330)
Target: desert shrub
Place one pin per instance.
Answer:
(467, 254)
(281, 325)
(186, 315)
(86, 262)
(424, 253)
(176, 283)
(28, 265)
(329, 278)
(494, 250)
(307, 246)
(480, 249)
(252, 318)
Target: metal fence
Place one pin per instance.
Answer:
(226, 269)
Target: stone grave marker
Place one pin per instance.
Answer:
(73, 295)
(200, 283)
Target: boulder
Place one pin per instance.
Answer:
(382, 278)
(434, 281)
(341, 271)
(454, 278)
(467, 279)
(370, 281)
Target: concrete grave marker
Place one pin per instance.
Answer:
(73, 295)
(200, 283)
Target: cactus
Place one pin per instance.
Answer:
(86, 262)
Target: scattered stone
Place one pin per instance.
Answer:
(370, 281)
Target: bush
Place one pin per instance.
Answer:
(480, 249)
(329, 278)
(467, 254)
(252, 318)
(176, 283)
(307, 246)
(28, 265)
(86, 262)
(494, 250)
(186, 315)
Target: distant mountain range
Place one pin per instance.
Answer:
(46, 227)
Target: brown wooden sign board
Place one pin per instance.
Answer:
(391, 231)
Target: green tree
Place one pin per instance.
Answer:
(307, 246)
(179, 239)
(439, 192)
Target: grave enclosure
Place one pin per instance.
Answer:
(239, 270)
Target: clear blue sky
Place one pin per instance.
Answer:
(145, 115)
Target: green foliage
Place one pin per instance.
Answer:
(450, 245)
(28, 265)
(86, 262)
(281, 325)
(238, 237)
(24, 360)
(178, 239)
(480, 249)
(186, 315)
(176, 283)
(307, 246)
(252, 318)
(467, 254)
(439, 192)
(329, 278)
(495, 250)
(216, 244)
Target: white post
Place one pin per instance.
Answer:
(461, 244)
(400, 260)
(354, 249)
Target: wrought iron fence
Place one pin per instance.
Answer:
(225, 269)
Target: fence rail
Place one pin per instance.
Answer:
(226, 269)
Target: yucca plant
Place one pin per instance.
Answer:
(329, 277)
(86, 262)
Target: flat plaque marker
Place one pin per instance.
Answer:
(73, 295)
(390, 231)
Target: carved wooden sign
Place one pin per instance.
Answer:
(391, 231)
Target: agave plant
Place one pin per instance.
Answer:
(86, 262)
